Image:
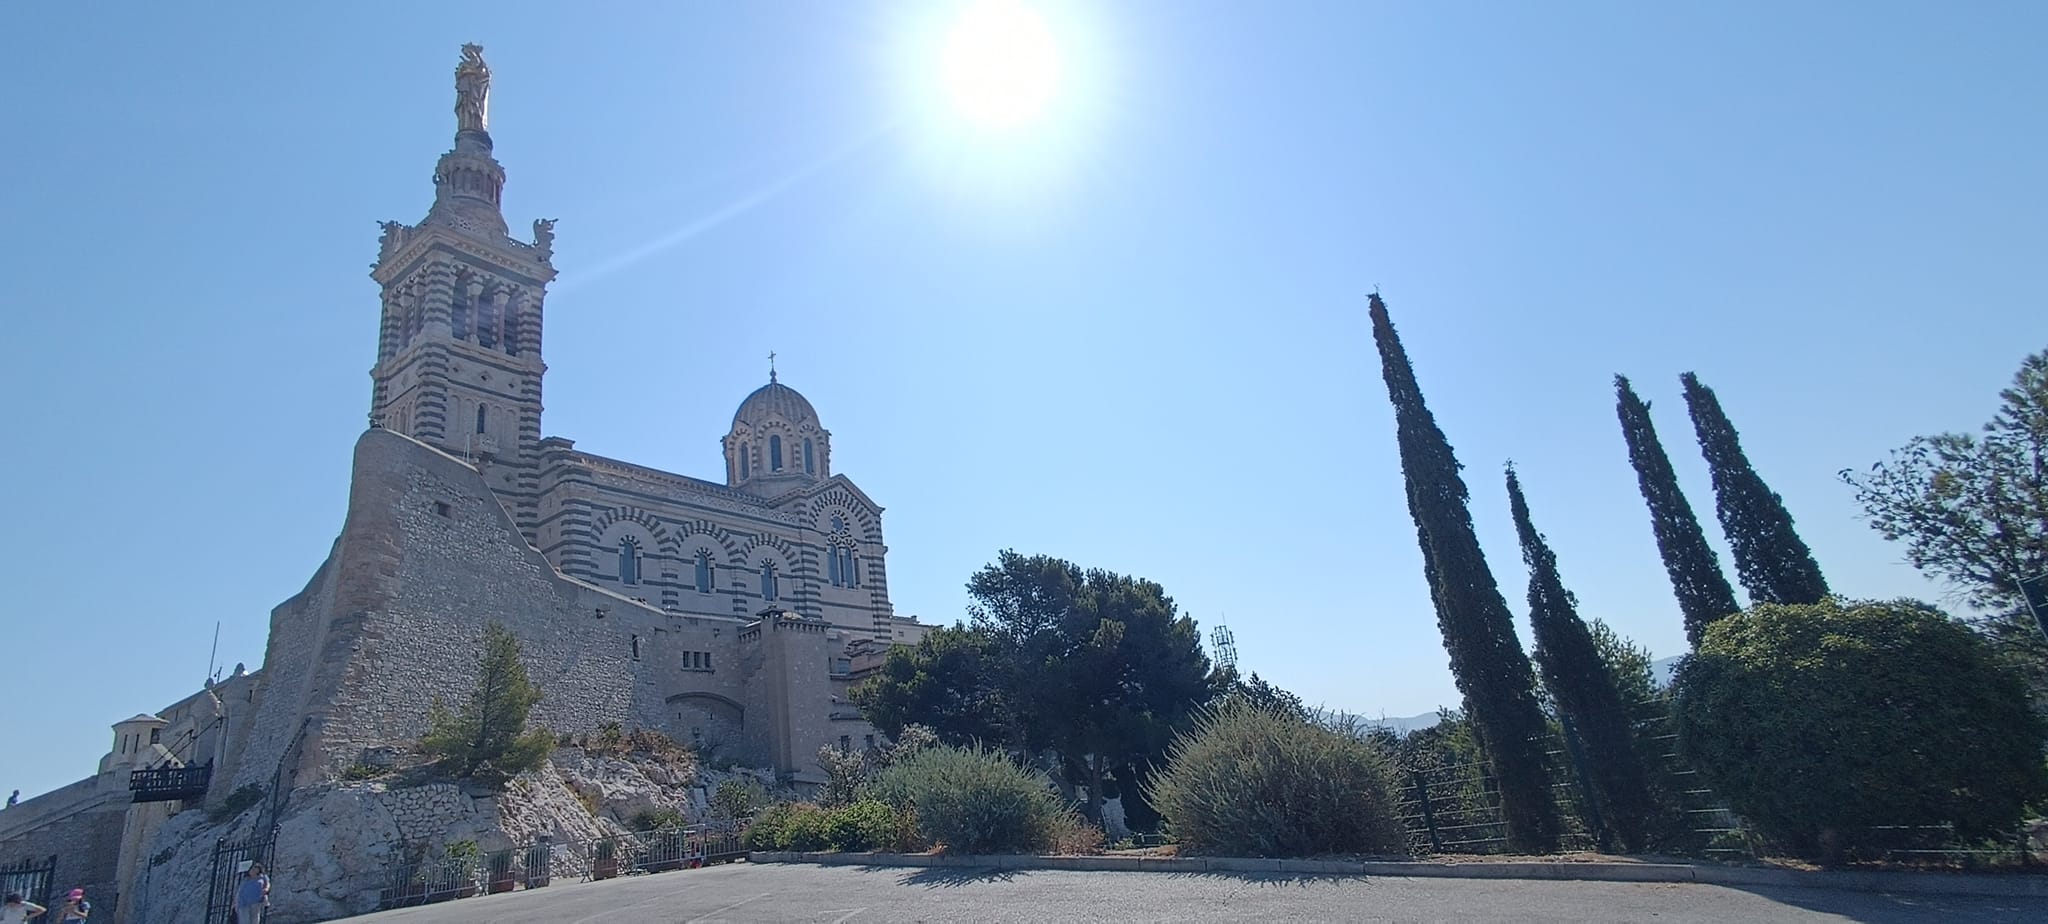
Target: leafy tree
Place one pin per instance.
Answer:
(1260, 694)
(1628, 663)
(948, 682)
(1694, 569)
(1582, 685)
(1244, 780)
(490, 733)
(1773, 562)
(1093, 667)
(1819, 722)
(1096, 666)
(1973, 511)
(1487, 660)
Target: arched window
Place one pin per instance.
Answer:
(703, 571)
(809, 468)
(744, 451)
(852, 569)
(775, 453)
(832, 567)
(481, 409)
(629, 562)
(767, 582)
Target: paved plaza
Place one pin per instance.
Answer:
(802, 894)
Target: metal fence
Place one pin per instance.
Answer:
(425, 880)
(1456, 808)
(31, 879)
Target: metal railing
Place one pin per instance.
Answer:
(536, 865)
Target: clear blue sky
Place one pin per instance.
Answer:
(1132, 336)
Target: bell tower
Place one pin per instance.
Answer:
(459, 347)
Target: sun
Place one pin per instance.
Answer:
(999, 64)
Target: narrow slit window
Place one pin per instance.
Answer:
(775, 453)
(809, 467)
(629, 562)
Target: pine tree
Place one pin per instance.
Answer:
(1487, 660)
(1770, 558)
(1703, 591)
(490, 733)
(1580, 683)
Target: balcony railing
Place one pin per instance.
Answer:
(163, 784)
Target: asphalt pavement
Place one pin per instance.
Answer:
(809, 894)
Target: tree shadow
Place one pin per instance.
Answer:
(936, 877)
(1901, 908)
(1301, 880)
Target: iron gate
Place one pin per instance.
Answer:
(34, 881)
(230, 860)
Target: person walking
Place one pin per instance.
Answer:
(76, 909)
(252, 896)
(17, 909)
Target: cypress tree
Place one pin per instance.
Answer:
(1580, 684)
(1770, 558)
(1703, 591)
(1487, 661)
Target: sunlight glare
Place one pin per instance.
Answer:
(1000, 64)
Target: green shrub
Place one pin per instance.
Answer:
(863, 825)
(1252, 781)
(766, 827)
(1818, 722)
(972, 800)
(658, 819)
(738, 799)
(808, 826)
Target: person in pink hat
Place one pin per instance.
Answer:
(75, 909)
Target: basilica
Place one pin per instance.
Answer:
(732, 614)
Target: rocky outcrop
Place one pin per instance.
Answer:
(339, 845)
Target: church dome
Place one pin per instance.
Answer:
(775, 400)
(776, 443)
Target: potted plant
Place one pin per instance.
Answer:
(460, 868)
(604, 862)
(501, 879)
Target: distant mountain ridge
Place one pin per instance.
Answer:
(1660, 674)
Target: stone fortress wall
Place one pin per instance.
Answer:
(429, 556)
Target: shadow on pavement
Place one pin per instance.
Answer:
(1274, 879)
(934, 877)
(1893, 908)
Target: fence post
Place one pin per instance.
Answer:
(1436, 844)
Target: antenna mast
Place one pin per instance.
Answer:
(212, 652)
(1223, 645)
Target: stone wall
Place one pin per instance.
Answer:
(86, 840)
